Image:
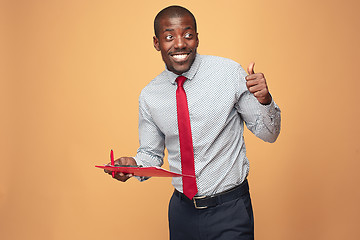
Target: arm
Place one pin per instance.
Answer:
(152, 140)
(256, 106)
(152, 145)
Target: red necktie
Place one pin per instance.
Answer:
(186, 145)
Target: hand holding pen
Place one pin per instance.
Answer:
(120, 161)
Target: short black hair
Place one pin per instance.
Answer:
(172, 11)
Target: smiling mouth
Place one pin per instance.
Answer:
(180, 57)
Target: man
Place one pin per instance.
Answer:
(196, 108)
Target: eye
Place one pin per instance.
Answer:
(188, 35)
(169, 37)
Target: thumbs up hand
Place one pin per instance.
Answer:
(256, 84)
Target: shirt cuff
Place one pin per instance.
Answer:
(142, 164)
(269, 109)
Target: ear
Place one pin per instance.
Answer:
(197, 39)
(156, 43)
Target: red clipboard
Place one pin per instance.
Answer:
(144, 171)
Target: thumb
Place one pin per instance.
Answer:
(250, 68)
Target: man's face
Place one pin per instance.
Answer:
(177, 42)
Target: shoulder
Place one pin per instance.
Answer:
(218, 61)
(220, 66)
(154, 86)
(224, 71)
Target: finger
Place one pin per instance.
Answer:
(107, 165)
(107, 171)
(261, 93)
(122, 161)
(123, 178)
(257, 81)
(251, 83)
(250, 68)
(255, 88)
(252, 76)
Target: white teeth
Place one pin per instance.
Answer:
(180, 56)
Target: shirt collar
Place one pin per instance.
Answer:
(189, 74)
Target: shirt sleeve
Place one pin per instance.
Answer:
(151, 139)
(262, 120)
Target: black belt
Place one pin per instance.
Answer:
(202, 202)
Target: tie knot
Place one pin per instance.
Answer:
(180, 80)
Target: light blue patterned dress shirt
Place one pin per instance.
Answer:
(219, 104)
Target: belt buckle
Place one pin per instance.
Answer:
(197, 198)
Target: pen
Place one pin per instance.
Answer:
(112, 161)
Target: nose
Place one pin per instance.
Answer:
(179, 43)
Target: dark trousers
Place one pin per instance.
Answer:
(227, 221)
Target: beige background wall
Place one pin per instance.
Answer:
(71, 73)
